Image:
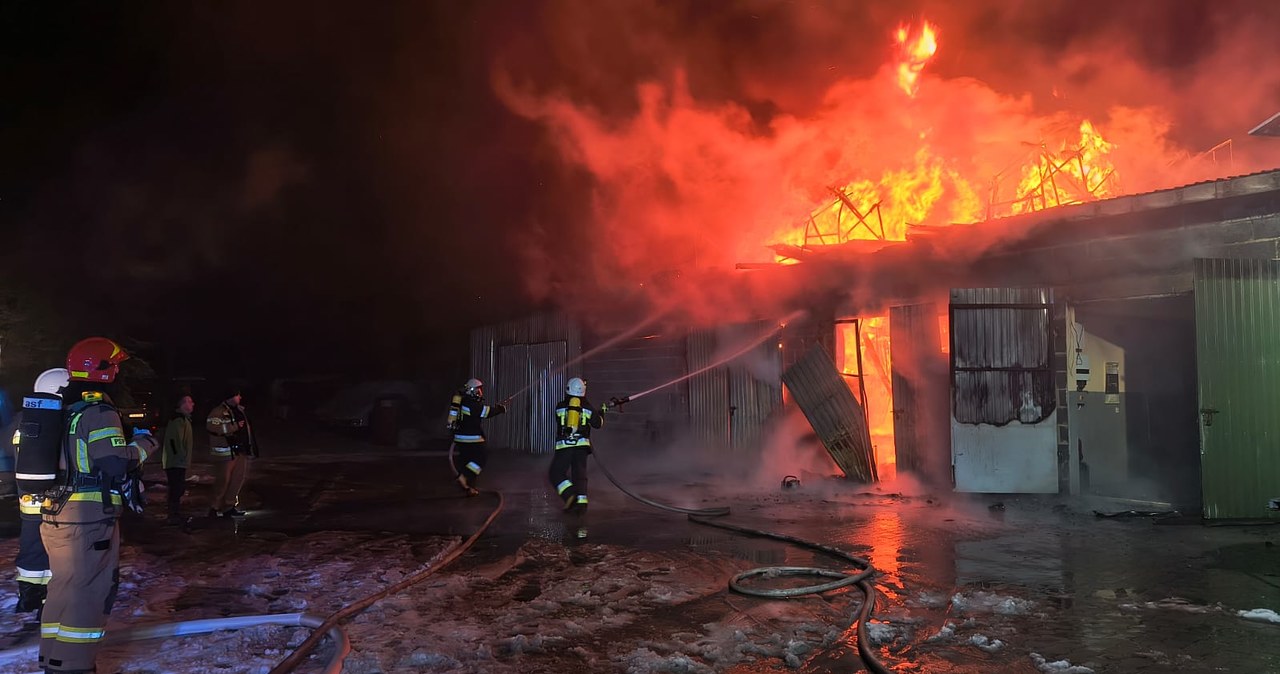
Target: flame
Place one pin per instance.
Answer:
(878, 404)
(933, 190)
(913, 53)
(928, 191)
(1074, 174)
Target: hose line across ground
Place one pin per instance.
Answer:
(447, 557)
(841, 579)
(192, 627)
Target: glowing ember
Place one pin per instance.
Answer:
(914, 52)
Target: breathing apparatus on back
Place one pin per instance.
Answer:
(39, 438)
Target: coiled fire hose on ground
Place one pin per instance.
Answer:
(861, 579)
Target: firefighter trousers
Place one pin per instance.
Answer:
(228, 478)
(33, 565)
(568, 475)
(85, 559)
(472, 456)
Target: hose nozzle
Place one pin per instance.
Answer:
(619, 402)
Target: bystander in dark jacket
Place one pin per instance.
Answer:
(178, 442)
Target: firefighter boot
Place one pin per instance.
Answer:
(30, 597)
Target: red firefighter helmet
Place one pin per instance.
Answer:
(96, 359)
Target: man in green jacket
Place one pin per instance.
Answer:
(178, 440)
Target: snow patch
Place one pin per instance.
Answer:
(645, 661)
(1058, 666)
(1260, 615)
(981, 642)
(948, 631)
(881, 633)
(990, 602)
(930, 600)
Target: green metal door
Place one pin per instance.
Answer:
(1238, 365)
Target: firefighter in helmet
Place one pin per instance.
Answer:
(575, 417)
(97, 469)
(37, 445)
(466, 411)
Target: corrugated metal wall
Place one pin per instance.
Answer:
(755, 387)
(822, 394)
(920, 427)
(505, 373)
(1238, 366)
(549, 379)
(708, 392)
(512, 376)
(1001, 355)
(636, 365)
(732, 405)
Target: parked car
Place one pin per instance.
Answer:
(353, 407)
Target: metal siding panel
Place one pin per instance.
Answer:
(549, 380)
(636, 365)
(824, 397)
(1014, 342)
(708, 393)
(505, 373)
(512, 377)
(1238, 366)
(755, 389)
(482, 353)
(917, 370)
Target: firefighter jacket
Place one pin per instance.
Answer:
(178, 440)
(471, 411)
(97, 461)
(226, 437)
(576, 417)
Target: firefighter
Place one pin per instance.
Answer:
(37, 446)
(232, 443)
(467, 410)
(575, 417)
(80, 528)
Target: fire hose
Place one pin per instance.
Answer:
(448, 556)
(194, 627)
(861, 579)
(320, 626)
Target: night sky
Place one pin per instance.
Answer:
(294, 187)
(259, 185)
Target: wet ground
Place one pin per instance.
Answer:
(968, 584)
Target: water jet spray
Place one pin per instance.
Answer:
(733, 356)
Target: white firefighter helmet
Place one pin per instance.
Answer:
(473, 385)
(52, 381)
(577, 387)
